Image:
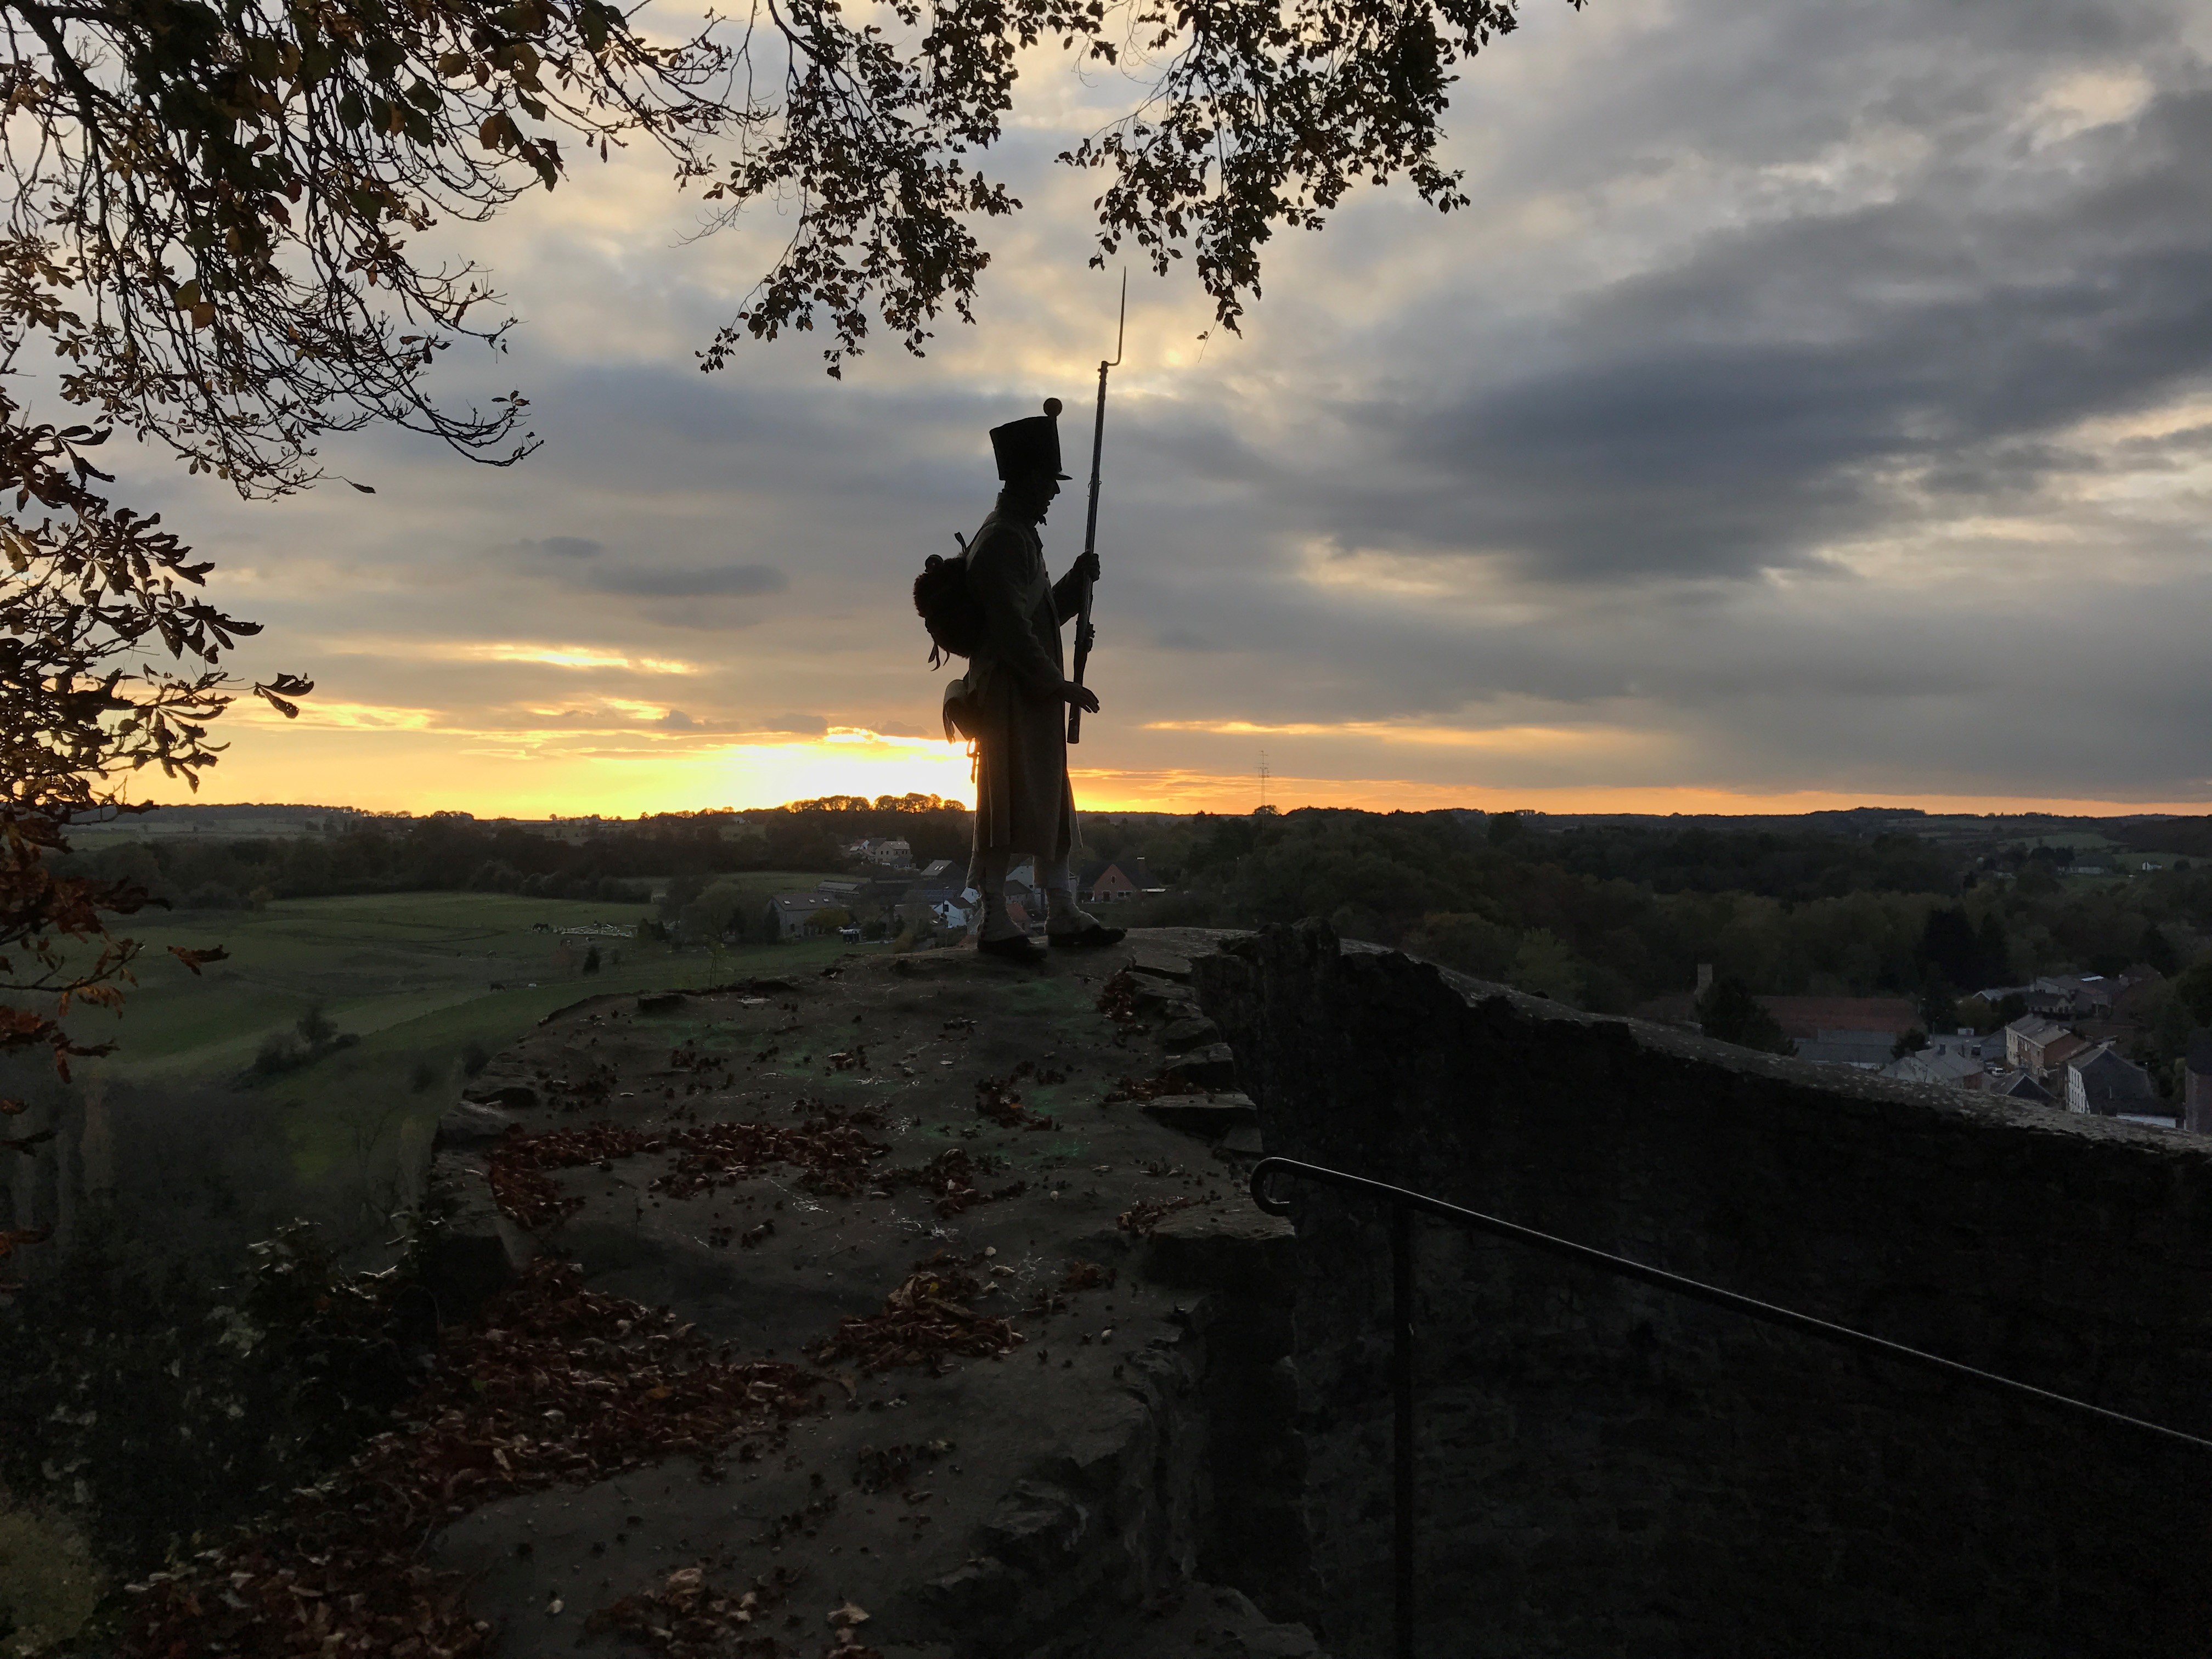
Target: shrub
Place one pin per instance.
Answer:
(169, 1409)
(280, 1052)
(312, 1036)
(1729, 1013)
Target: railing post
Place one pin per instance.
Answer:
(1402, 1387)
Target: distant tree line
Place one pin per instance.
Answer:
(1607, 918)
(614, 862)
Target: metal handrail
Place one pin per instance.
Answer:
(1404, 1202)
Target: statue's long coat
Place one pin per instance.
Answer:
(1022, 801)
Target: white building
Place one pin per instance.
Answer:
(894, 854)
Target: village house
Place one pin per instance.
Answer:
(892, 854)
(2072, 997)
(2039, 1046)
(1860, 1032)
(792, 915)
(1113, 879)
(935, 904)
(1959, 1061)
(2101, 1084)
(2196, 1086)
(1022, 890)
(2017, 1085)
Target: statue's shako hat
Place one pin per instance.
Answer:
(1028, 445)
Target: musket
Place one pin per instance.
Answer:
(1084, 634)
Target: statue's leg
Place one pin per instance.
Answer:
(988, 872)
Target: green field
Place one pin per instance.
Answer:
(417, 978)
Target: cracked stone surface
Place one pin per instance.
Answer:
(1124, 1479)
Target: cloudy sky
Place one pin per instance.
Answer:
(1815, 407)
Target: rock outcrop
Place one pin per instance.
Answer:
(1114, 1473)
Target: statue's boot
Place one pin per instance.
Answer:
(1065, 925)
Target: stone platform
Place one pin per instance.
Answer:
(1122, 1478)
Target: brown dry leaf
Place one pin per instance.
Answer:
(924, 1322)
(1146, 1213)
(1117, 999)
(1140, 1089)
(951, 1176)
(516, 1164)
(559, 1384)
(828, 1148)
(998, 1101)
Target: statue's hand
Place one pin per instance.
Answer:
(1081, 696)
(1086, 566)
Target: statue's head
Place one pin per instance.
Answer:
(1031, 495)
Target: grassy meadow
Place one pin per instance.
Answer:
(418, 981)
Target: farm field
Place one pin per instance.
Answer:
(419, 980)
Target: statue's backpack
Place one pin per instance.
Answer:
(947, 609)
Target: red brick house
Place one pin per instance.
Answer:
(1113, 880)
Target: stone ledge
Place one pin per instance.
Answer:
(1207, 1116)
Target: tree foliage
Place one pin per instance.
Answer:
(213, 202)
(1728, 1012)
(1245, 119)
(98, 602)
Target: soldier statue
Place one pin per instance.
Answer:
(1013, 701)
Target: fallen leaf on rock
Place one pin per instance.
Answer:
(924, 1322)
(950, 1177)
(875, 1470)
(1000, 1102)
(828, 1148)
(1087, 1276)
(1117, 999)
(516, 1162)
(1140, 1089)
(1146, 1213)
(688, 1618)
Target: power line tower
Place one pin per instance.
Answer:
(1263, 779)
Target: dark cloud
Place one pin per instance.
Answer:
(1184, 639)
(809, 726)
(567, 547)
(676, 720)
(712, 581)
(1784, 386)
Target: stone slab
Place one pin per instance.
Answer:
(1156, 965)
(514, 1097)
(474, 1123)
(1185, 1035)
(1209, 1116)
(1210, 1067)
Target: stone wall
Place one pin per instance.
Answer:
(1606, 1469)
